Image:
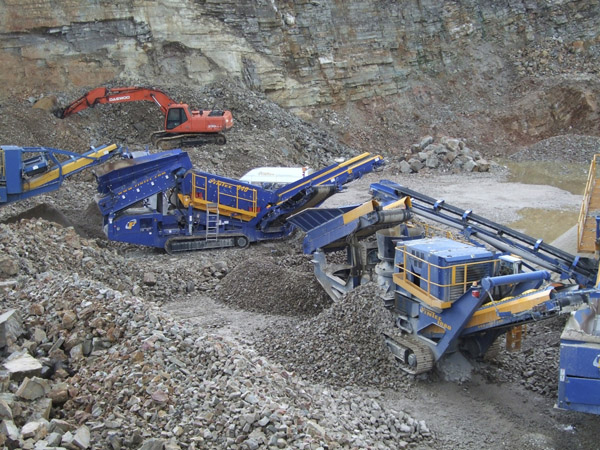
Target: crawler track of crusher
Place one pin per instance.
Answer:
(181, 244)
(413, 356)
(167, 141)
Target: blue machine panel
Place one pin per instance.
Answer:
(580, 394)
(581, 359)
(579, 382)
(430, 262)
(12, 165)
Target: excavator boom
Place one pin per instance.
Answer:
(183, 126)
(103, 95)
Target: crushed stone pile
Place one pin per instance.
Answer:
(85, 365)
(31, 247)
(266, 285)
(536, 365)
(343, 345)
(264, 134)
(570, 148)
(114, 372)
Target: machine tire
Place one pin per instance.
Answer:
(242, 241)
(220, 140)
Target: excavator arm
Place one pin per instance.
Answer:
(182, 125)
(103, 95)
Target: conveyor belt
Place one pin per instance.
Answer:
(502, 237)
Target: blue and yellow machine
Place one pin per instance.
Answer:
(448, 294)
(29, 171)
(159, 200)
(579, 377)
(579, 370)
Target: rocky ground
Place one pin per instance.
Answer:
(127, 347)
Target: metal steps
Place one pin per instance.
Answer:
(212, 221)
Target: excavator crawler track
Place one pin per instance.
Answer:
(165, 141)
(413, 356)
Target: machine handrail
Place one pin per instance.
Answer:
(585, 202)
(225, 209)
(497, 235)
(465, 283)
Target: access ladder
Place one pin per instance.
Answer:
(212, 221)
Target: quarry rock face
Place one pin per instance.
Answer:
(302, 53)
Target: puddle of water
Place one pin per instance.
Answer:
(568, 177)
(544, 224)
(541, 223)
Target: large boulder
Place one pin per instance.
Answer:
(11, 327)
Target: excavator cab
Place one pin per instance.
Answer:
(175, 117)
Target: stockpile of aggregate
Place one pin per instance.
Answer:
(90, 365)
(273, 286)
(343, 345)
(263, 134)
(570, 148)
(536, 364)
(31, 247)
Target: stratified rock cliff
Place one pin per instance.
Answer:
(300, 52)
(469, 57)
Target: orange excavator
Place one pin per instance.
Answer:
(183, 126)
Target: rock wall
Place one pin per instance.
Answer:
(300, 53)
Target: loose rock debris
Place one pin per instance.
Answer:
(113, 371)
(343, 345)
(98, 365)
(267, 286)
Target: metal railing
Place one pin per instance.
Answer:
(453, 280)
(228, 203)
(585, 203)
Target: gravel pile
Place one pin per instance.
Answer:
(571, 148)
(35, 246)
(536, 365)
(263, 134)
(113, 371)
(266, 285)
(121, 374)
(343, 345)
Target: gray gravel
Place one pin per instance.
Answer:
(273, 286)
(570, 148)
(343, 345)
(131, 374)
